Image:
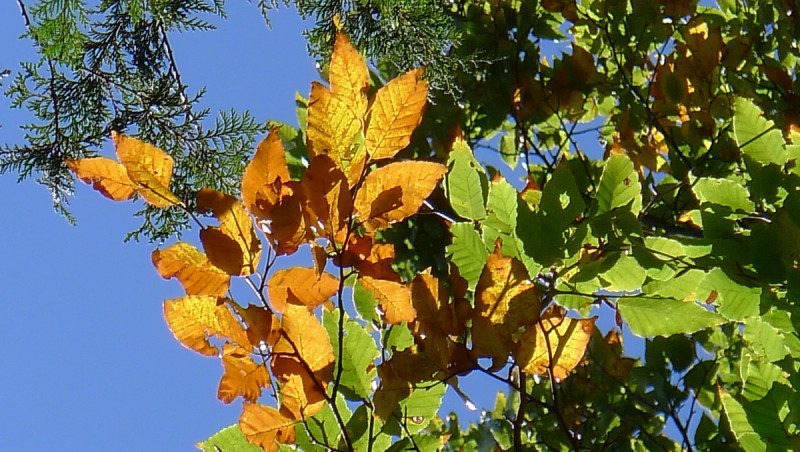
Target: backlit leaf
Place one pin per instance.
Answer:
(328, 194)
(396, 191)
(149, 167)
(757, 136)
(332, 126)
(394, 299)
(242, 377)
(229, 438)
(302, 394)
(106, 176)
(359, 352)
(308, 339)
(265, 427)
(467, 252)
(556, 343)
(348, 75)
(395, 113)
(619, 185)
(723, 192)
(193, 319)
(665, 317)
(739, 424)
(289, 225)
(268, 166)
(196, 273)
(300, 286)
(233, 245)
(466, 183)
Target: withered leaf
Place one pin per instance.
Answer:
(265, 427)
(196, 273)
(328, 193)
(302, 394)
(194, 318)
(242, 377)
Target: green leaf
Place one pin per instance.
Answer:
(359, 351)
(502, 206)
(665, 249)
(466, 183)
(508, 150)
(619, 185)
(228, 439)
(740, 426)
(735, 301)
(665, 317)
(417, 410)
(757, 136)
(623, 274)
(468, 252)
(365, 303)
(765, 340)
(723, 192)
(562, 201)
(398, 338)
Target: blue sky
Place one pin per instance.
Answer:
(90, 364)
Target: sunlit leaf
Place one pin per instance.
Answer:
(467, 186)
(229, 438)
(308, 339)
(302, 394)
(262, 325)
(233, 245)
(394, 299)
(193, 319)
(149, 167)
(619, 185)
(242, 377)
(665, 317)
(348, 75)
(395, 113)
(739, 424)
(467, 252)
(196, 273)
(556, 343)
(290, 222)
(300, 285)
(268, 166)
(359, 352)
(328, 194)
(266, 427)
(396, 191)
(757, 136)
(106, 176)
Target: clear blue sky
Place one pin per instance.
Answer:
(90, 364)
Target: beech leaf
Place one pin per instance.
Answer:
(242, 377)
(106, 176)
(349, 75)
(308, 339)
(196, 273)
(232, 246)
(301, 286)
(194, 318)
(268, 166)
(149, 167)
(265, 427)
(393, 297)
(395, 113)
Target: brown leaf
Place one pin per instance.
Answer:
(396, 191)
(289, 225)
(232, 246)
(263, 176)
(262, 325)
(242, 377)
(557, 342)
(349, 76)
(300, 286)
(328, 193)
(396, 112)
(265, 427)
(106, 176)
(194, 318)
(394, 298)
(149, 167)
(196, 273)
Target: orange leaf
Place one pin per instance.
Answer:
(396, 191)
(394, 298)
(242, 377)
(262, 325)
(348, 75)
(328, 194)
(308, 340)
(194, 318)
(196, 273)
(300, 285)
(233, 245)
(149, 167)
(289, 225)
(396, 112)
(106, 176)
(320, 257)
(434, 310)
(302, 394)
(265, 427)
(562, 348)
(267, 167)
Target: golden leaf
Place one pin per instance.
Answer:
(328, 194)
(268, 166)
(262, 325)
(242, 377)
(320, 257)
(394, 298)
(308, 339)
(149, 167)
(265, 427)
(302, 394)
(395, 113)
(348, 75)
(300, 286)
(194, 318)
(289, 225)
(196, 273)
(557, 343)
(233, 245)
(106, 176)
(332, 126)
(396, 191)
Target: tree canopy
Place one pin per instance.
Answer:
(511, 188)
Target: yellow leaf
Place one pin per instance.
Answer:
(106, 176)
(557, 343)
(394, 298)
(262, 325)
(332, 126)
(308, 339)
(395, 113)
(300, 286)
(194, 318)
(289, 224)
(196, 273)
(268, 167)
(265, 427)
(149, 167)
(328, 194)
(232, 246)
(242, 377)
(396, 191)
(349, 76)
(303, 395)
